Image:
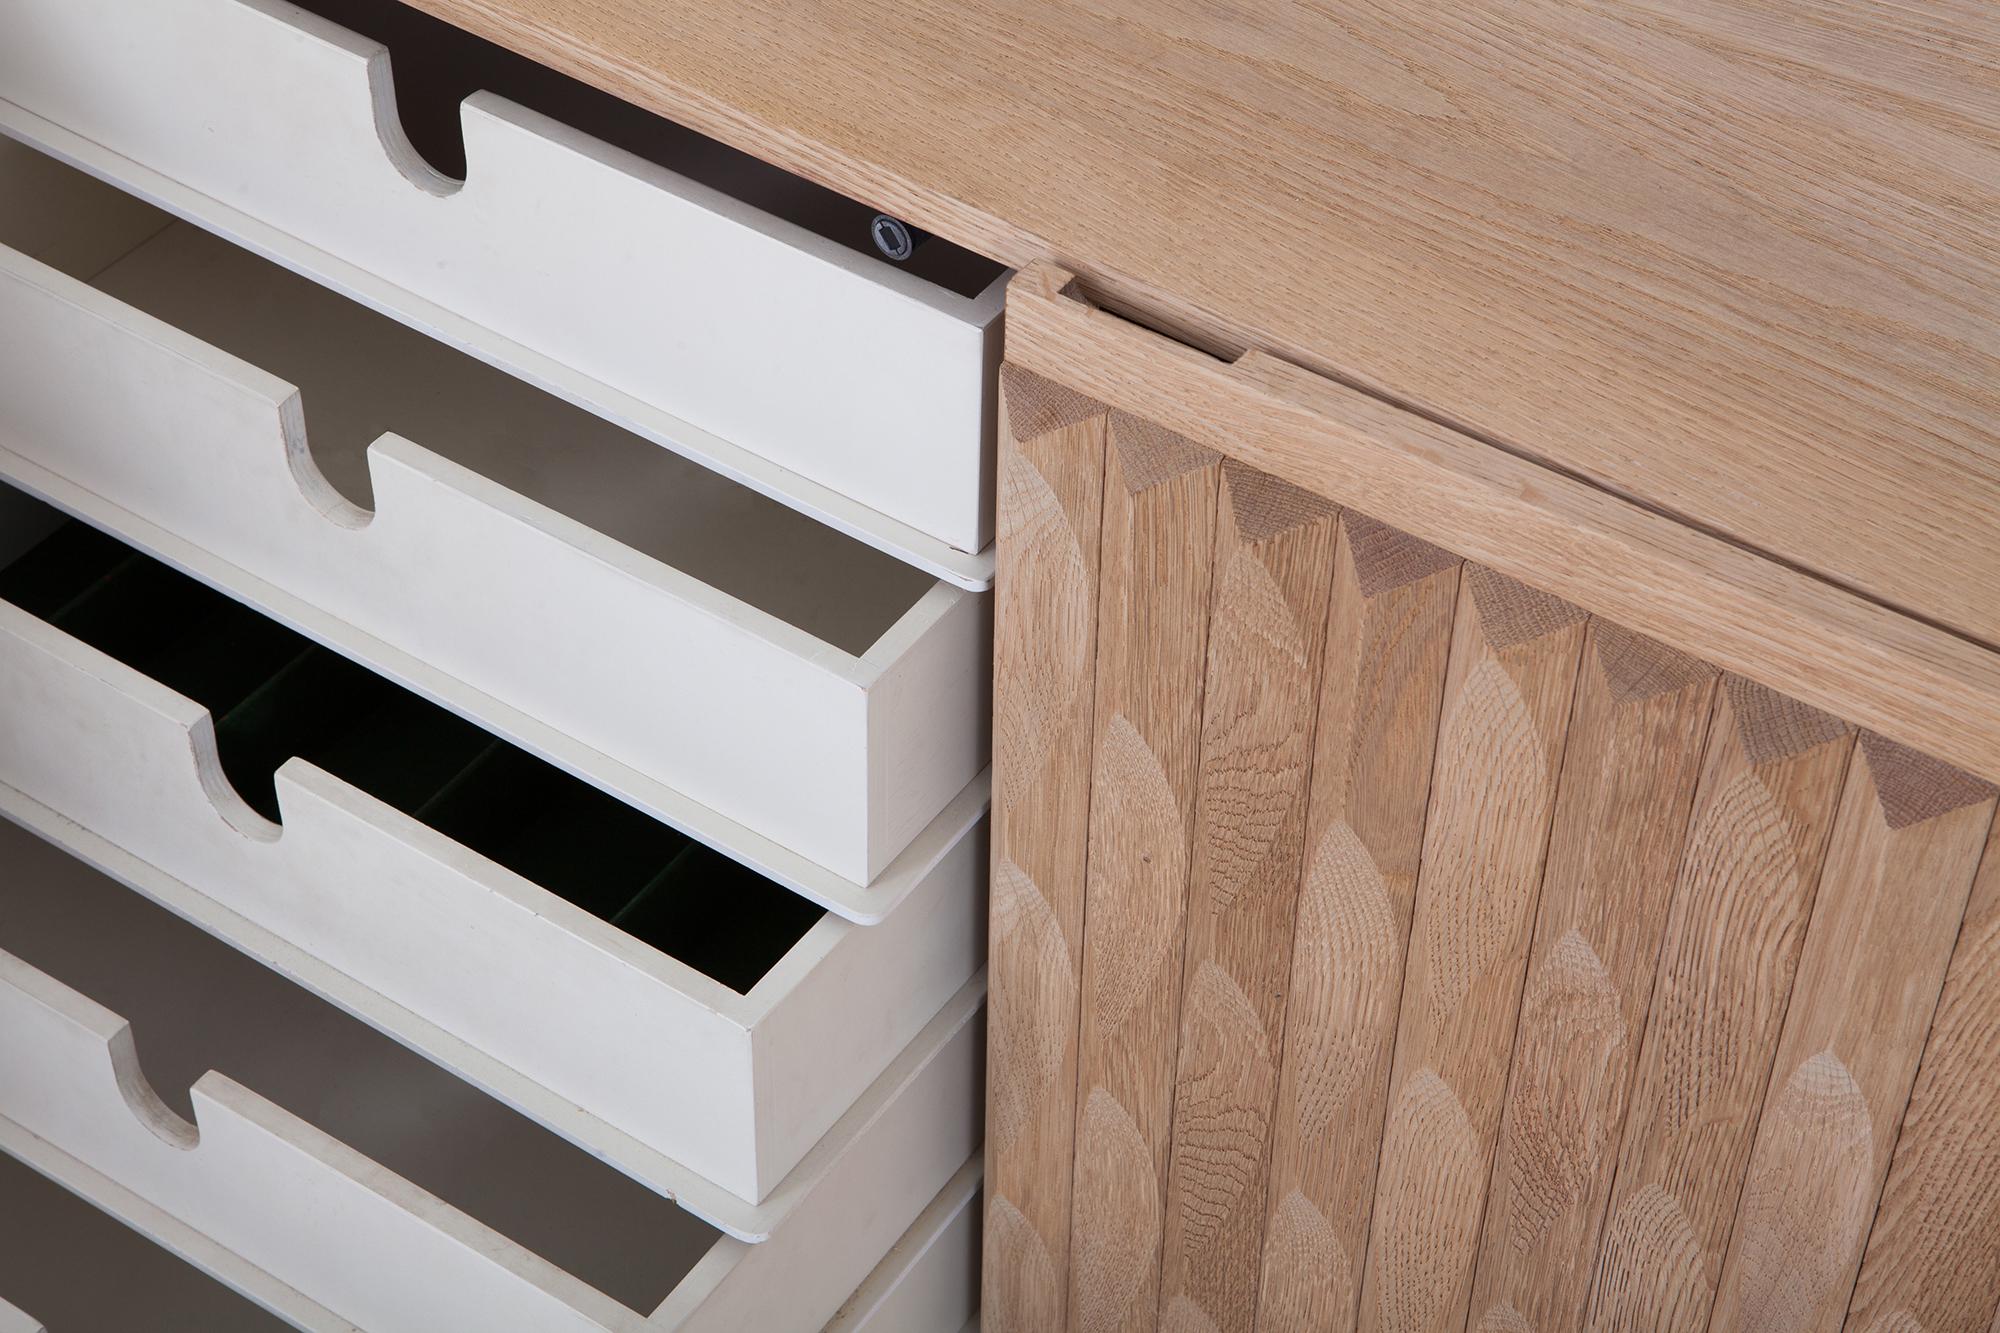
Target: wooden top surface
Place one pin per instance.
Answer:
(1738, 260)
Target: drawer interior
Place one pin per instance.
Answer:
(195, 1005)
(274, 694)
(361, 375)
(437, 66)
(71, 1266)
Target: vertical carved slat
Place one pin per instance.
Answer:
(1388, 640)
(1933, 1256)
(1507, 698)
(1159, 537)
(1267, 626)
(1051, 499)
(1906, 844)
(1756, 838)
(1629, 773)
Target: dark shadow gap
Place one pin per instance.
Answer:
(436, 66)
(274, 694)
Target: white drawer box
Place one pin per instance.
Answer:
(815, 739)
(809, 370)
(733, 1087)
(928, 1283)
(328, 1238)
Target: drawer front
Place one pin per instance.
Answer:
(820, 759)
(732, 1064)
(736, 336)
(274, 1205)
(1432, 950)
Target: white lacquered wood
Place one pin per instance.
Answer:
(822, 369)
(279, 1206)
(817, 764)
(735, 1089)
(930, 1279)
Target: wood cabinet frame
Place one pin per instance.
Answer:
(1432, 892)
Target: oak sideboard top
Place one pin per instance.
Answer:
(1734, 259)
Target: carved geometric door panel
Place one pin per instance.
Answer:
(1381, 942)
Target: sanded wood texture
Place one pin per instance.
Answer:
(1267, 629)
(1387, 642)
(1052, 480)
(1906, 843)
(1507, 695)
(1629, 770)
(1793, 630)
(1159, 533)
(1453, 958)
(1933, 1256)
(1755, 841)
(1764, 236)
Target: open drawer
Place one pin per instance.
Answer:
(341, 1181)
(779, 690)
(832, 378)
(81, 1267)
(681, 1013)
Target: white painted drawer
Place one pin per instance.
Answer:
(316, 1230)
(843, 384)
(666, 1069)
(740, 671)
(929, 1282)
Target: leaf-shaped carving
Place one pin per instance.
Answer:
(1490, 753)
(1027, 1030)
(1115, 1244)
(1571, 1036)
(1426, 1205)
(1029, 1295)
(1503, 1318)
(1743, 903)
(1344, 975)
(1308, 1279)
(1651, 1271)
(1184, 1316)
(1902, 1321)
(1249, 727)
(1138, 850)
(1050, 573)
(1807, 1198)
(1226, 1071)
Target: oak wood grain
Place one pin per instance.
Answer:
(1770, 783)
(1052, 491)
(1762, 238)
(1388, 641)
(1267, 629)
(1159, 536)
(1504, 720)
(1629, 772)
(1757, 617)
(1933, 1256)
(1905, 846)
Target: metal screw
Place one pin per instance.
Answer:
(895, 239)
